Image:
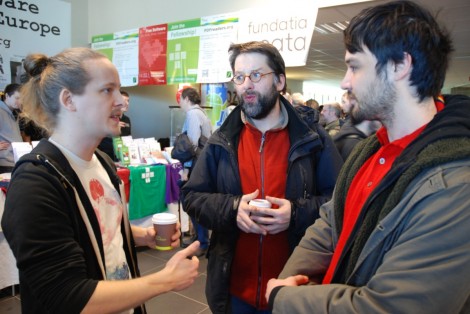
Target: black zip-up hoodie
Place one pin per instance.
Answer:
(57, 264)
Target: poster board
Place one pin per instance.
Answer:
(31, 27)
(196, 50)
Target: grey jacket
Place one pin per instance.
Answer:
(9, 132)
(416, 258)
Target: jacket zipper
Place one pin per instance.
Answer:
(261, 237)
(261, 156)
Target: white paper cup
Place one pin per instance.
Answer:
(261, 203)
(164, 225)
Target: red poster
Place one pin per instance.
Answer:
(152, 55)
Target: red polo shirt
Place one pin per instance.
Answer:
(365, 181)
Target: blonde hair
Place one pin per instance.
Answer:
(47, 77)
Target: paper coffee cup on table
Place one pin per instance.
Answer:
(164, 225)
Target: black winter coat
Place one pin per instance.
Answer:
(213, 192)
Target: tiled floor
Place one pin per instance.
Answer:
(189, 301)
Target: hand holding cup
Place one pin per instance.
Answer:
(164, 225)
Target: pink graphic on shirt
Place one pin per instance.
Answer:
(96, 189)
(108, 209)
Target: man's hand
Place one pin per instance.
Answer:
(244, 221)
(292, 281)
(4, 145)
(185, 175)
(273, 220)
(182, 268)
(146, 236)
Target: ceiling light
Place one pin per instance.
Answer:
(340, 25)
(320, 30)
(329, 28)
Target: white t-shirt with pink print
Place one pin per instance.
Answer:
(108, 208)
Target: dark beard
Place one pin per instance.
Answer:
(377, 103)
(262, 107)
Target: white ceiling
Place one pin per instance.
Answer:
(325, 62)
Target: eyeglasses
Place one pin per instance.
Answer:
(255, 77)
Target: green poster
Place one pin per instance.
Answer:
(183, 51)
(102, 43)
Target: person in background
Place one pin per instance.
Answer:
(298, 99)
(262, 150)
(353, 130)
(125, 121)
(196, 124)
(228, 110)
(9, 128)
(312, 103)
(71, 237)
(394, 238)
(330, 115)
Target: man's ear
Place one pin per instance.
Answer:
(66, 100)
(404, 67)
(281, 82)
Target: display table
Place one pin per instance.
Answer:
(153, 189)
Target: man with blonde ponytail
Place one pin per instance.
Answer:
(71, 236)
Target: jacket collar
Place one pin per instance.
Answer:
(298, 130)
(281, 124)
(434, 146)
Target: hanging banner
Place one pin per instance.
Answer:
(30, 27)
(196, 50)
(122, 48)
(290, 30)
(152, 55)
(217, 33)
(183, 51)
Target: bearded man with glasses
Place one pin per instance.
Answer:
(262, 150)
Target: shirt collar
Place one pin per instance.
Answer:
(382, 133)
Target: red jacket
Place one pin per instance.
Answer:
(263, 166)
